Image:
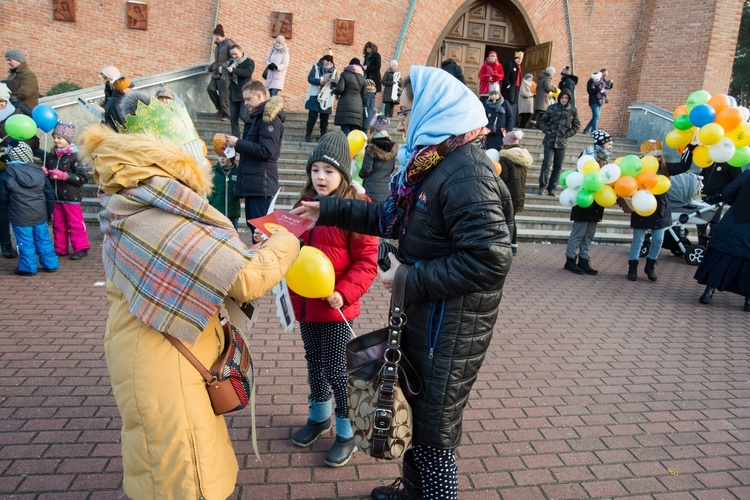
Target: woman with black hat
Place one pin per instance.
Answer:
(319, 98)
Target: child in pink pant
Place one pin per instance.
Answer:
(67, 178)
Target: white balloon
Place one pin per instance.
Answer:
(583, 160)
(745, 113)
(643, 201)
(722, 151)
(574, 180)
(568, 198)
(493, 154)
(611, 172)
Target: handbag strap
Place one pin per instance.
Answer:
(389, 373)
(210, 379)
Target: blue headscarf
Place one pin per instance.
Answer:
(442, 107)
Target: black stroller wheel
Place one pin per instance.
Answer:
(645, 248)
(694, 254)
(676, 250)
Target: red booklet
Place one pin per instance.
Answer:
(281, 219)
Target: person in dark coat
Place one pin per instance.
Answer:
(500, 119)
(322, 79)
(371, 64)
(379, 160)
(28, 85)
(109, 74)
(726, 264)
(113, 115)
(659, 220)
(515, 162)
(218, 86)
(15, 100)
(512, 79)
(239, 70)
(452, 217)
(569, 81)
(541, 98)
(586, 219)
(352, 91)
(454, 69)
(259, 149)
(559, 123)
(596, 88)
(391, 88)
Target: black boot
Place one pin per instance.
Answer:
(340, 453)
(707, 294)
(747, 304)
(406, 487)
(584, 264)
(633, 270)
(310, 432)
(649, 269)
(570, 265)
(308, 134)
(8, 251)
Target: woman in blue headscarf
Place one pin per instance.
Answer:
(451, 214)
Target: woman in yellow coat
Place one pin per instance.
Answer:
(171, 259)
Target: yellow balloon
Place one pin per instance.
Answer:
(649, 164)
(711, 134)
(606, 196)
(555, 93)
(311, 276)
(357, 141)
(618, 160)
(701, 157)
(740, 136)
(590, 166)
(662, 185)
(677, 139)
(645, 214)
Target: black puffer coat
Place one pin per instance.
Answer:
(457, 245)
(71, 189)
(732, 234)
(259, 150)
(26, 194)
(377, 167)
(352, 90)
(113, 114)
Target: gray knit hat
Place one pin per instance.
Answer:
(16, 55)
(333, 148)
(20, 151)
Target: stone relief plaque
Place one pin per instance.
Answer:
(343, 31)
(64, 10)
(281, 24)
(137, 14)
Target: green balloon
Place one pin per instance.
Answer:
(585, 198)
(564, 176)
(593, 182)
(630, 166)
(741, 157)
(696, 98)
(682, 122)
(20, 127)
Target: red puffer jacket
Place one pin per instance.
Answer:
(354, 258)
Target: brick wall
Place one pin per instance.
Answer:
(657, 51)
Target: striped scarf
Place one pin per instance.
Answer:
(171, 254)
(406, 182)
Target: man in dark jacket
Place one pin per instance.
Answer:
(569, 81)
(218, 87)
(28, 86)
(513, 76)
(454, 69)
(559, 123)
(259, 149)
(239, 71)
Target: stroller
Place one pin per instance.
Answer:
(687, 208)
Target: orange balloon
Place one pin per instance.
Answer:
(730, 118)
(647, 180)
(498, 167)
(719, 102)
(681, 110)
(626, 186)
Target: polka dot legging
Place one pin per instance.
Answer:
(325, 352)
(438, 470)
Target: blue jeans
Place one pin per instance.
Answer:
(35, 247)
(639, 235)
(273, 92)
(596, 112)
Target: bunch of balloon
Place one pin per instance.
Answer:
(717, 125)
(494, 156)
(631, 178)
(22, 127)
(357, 142)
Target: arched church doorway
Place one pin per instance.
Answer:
(481, 26)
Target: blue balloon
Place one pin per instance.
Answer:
(45, 117)
(732, 102)
(702, 114)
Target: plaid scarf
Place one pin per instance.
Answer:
(406, 182)
(171, 254)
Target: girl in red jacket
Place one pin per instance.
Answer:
(324, 331)
(490, 75)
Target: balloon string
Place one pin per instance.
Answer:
(346, 322)
(44, 157)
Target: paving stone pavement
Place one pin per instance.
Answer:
(594, 387)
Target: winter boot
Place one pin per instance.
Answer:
(584, 264)
(707, 294)
(308, 134)
(570, 265)
(340, 453)
(633, 270)
(318, 423)
(649, 269)
(8, 251)
(406, 487)
(747, 304)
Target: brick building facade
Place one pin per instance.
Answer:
(657, 51)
